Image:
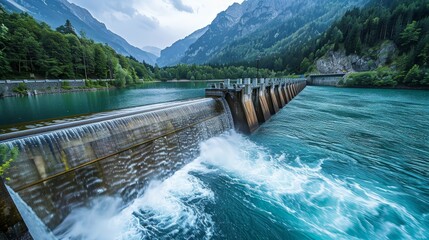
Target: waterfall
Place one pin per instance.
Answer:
(62, 167)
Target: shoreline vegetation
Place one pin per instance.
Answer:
(352, 82)
(65, 54)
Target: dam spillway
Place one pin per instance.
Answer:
(63, 167)
(59, 170)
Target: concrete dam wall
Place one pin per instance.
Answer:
(63, 167)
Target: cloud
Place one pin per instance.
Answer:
(100, 6)
(179, 5)
(154, 22)
(145, 22)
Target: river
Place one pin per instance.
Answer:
(333, 164)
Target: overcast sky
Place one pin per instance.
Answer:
(156, 23)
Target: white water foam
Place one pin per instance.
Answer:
(320, 205)
(170, 208)
(324, 205)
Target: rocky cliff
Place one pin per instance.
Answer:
(339, 62)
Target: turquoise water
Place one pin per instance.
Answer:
(333, 164)
(36, 108)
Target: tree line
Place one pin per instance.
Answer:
(29, 48)
(32, 49)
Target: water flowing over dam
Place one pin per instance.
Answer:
(62, 167)
(59, 170)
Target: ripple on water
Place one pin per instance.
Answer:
(311, 172)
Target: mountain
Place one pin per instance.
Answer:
(56, 12)
(173, 54)
(154, 50)
(258, 28)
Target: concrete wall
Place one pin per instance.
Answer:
(7, 86)
(325, 80)
(64, 169)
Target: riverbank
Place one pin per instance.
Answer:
(57, 91)
(19, 88)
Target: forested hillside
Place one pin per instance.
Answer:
(362, 32)
(29, 49)
(258, 28)
(56, 12)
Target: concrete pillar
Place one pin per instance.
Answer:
(284, 91)
(249, 109)
(227, 83)
(279, 94)
(294, 89)
(254, 82)
(265, 88)
(289, 90)
(279, 98)
(246, 81)
(273, 99)
(261, 105)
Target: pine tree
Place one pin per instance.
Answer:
(410, 34)
(67, 28)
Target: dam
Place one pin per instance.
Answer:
(56, 169)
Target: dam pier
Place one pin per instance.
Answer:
(253, 101)
(63, 167)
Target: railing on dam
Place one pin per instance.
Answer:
(56, 169)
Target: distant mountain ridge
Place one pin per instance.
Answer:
(172, 55)
(257, 28)
(154, 50)
(56, 12)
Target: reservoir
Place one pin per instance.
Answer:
(333, 164)
(35, 108)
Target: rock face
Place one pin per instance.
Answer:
(254, 28)
(339, 62)
(56, 12)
